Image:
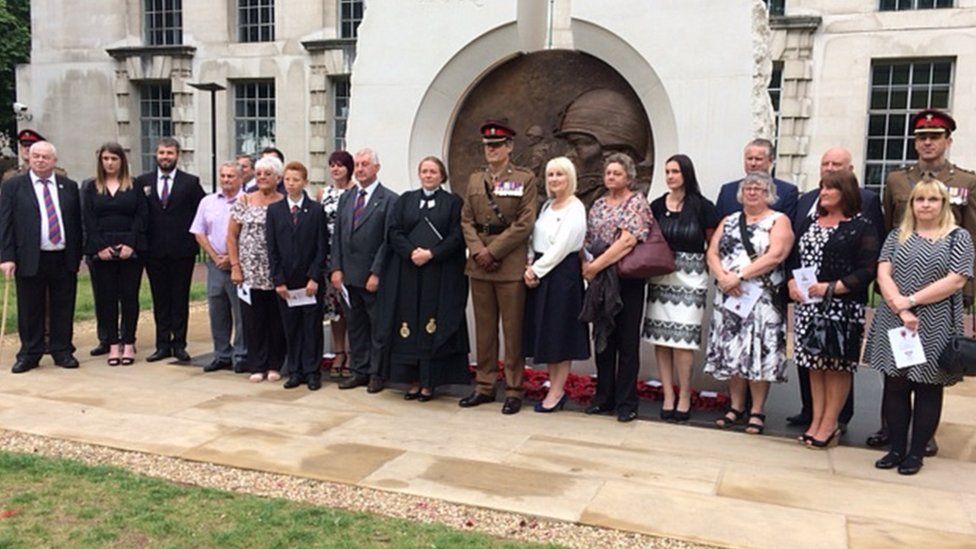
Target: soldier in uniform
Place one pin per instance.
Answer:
(497, 219)
(25, 139)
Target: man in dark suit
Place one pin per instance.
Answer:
(40, 234)
(834, 160)
(359, 250)
(173, 199)
(757, 157)
(298, 245)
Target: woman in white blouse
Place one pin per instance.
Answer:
(552, 333)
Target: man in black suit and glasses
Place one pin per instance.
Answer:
(173, 199)
(40, 245)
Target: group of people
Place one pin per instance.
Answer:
(393, 273)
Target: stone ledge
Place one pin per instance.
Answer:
(795, 22)
(329, 44)
(177, 50)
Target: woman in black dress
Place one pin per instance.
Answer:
(115, 215)
(429, 344)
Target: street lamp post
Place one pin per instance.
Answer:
(213, 88)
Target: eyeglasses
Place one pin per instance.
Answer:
(754, 190)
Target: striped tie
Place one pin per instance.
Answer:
(164, 196)
(357, 212)
(53, 224)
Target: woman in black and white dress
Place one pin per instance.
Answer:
(552, 333)
(340, 168)
(676, 301)
(923, 267)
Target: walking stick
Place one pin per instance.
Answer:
(3, 322)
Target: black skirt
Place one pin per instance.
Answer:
(552, 331)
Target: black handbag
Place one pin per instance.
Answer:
(959, 356)
(830, 338)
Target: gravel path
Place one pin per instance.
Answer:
(341, 496)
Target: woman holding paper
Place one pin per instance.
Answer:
(340, 169)
(424, 289)
(836, 254)
(747, 336)
(552, 332)
(923, 266)
(247, 246)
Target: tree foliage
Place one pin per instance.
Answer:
(15, 47)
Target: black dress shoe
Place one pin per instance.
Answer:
(475, 399)
(910, 465)
(376, 384)
(216, 366)
(240, 367)
(411, 395)
(353, 382)
(293, 381)
(889, 461)
(159, 354)
(314, 383)
(627, 417)
(597, 409)
(931, 449)
(69, 362)
(422, 397)
(22, 366)
(878, 439)
(181, 355)
(512, 406)
(798, 420)
(100, 349)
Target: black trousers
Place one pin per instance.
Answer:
(846, 413)
(263, 331)
(361, 320)
(116, 284)
(303, 337)
(618, 366)
(52, 289)
(169, 280)
(922, 413)
(100, 329)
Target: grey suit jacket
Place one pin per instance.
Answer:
(361, 251)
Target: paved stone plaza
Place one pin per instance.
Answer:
(692, 483)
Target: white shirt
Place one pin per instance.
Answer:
(294, 204)
(159, 182)
(558, 233)
(39, 192)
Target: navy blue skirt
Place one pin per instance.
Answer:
(552, 331)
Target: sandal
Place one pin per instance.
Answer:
(128, 355)
(756, 428)
(335, 370)
(113, 357)
(726, 421)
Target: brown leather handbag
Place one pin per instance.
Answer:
(652, 257)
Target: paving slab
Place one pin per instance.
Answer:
(875, 534)
(269, 415)
(939, 473)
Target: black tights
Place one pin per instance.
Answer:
(899, 412)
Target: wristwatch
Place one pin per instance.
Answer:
(911, 301)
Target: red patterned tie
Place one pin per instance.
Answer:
(53, 223)
(164, 195)
(294, 215)
(357, 212)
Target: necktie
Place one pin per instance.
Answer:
(53, 223)
(164, 195)
(357, 212)
(294, 215)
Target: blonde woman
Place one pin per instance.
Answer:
(552, 333)
(923, 266)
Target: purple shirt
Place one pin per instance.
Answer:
(212, 219)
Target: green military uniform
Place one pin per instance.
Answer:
(501, 291)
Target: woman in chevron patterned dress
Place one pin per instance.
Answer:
(676, 301)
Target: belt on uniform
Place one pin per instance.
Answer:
(490, 229)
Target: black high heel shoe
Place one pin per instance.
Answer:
(832, 440)
(680, 417)
(559, 406)
(425, 397)
(666, 414)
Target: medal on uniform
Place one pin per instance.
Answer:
(404, 330)
(431, 326)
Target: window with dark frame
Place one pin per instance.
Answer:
(350, 15)
(163, 22)
(340, 110)
(255, 20)
(776, 7)
(900, 89)
(775, 93)
(155, 119)
(254, 115)
(902, 5)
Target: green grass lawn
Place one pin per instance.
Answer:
(85, 302)
(46, 502)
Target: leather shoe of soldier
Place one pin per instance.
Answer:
(181, 355)
(216, 366)
(69, 362)
(314, 383)
(158, 355)
(376, 384)
(353, 382)
(931, 449)
(99, 350)
(475, 399)
(22, 366)
(512, 406)
(293, 381)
